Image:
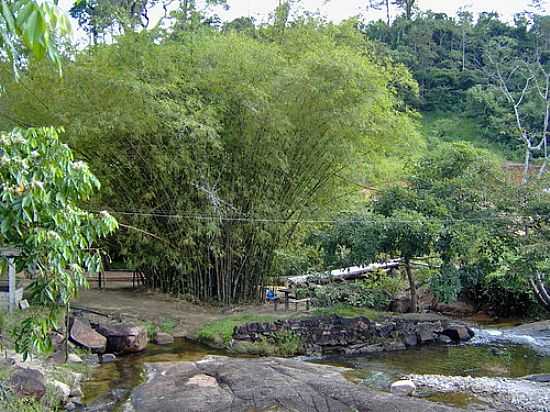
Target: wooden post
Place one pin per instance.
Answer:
(11, 254)
(11, 284)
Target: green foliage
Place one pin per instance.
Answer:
(362, 294)
(167, 325)
(42, 187)
(151, 328)
(33, 26)
(282, 343)
(222, 330)
(347, 311)
(453, 59)
(458, 207)
(172, 127)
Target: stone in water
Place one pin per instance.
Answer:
(403, 388)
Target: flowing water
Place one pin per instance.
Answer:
(110, 384)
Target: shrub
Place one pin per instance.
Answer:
(362, 294)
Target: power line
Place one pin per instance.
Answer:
(252, 219)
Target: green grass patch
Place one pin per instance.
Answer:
(450, 127)
(222, 330)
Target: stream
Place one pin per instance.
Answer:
(493, 353)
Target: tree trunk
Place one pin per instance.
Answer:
(412, 286)
(388, 12)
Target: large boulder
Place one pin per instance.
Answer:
(218, 384)
(28, 383)
(83, 335)
(123, 339)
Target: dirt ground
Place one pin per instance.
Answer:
(141, 305)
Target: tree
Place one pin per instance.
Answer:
(379, 5)
(456, 209)
(212, 208)
(407, 6)
(41, 187)
(525, 83)
(31, 26)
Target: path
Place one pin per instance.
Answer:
(140, 305)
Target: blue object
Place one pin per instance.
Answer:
(270, 295)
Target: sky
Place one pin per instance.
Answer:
(341, 9)
(338, 10)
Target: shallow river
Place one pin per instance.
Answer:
(110, 384)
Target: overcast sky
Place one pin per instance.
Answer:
(340, 9)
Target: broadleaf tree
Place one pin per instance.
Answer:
(41, 187)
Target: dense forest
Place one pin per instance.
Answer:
(232, 153)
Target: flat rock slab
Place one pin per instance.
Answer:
(218, 384)
(83, 335)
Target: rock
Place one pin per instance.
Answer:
(541, 378)
(410, 340)
(122, 339)
(74, 358)
(403, 388)
(400, 304)
(458, 333)
(70, 406)
(219, 384)
(457, 308)
(58, 339)
(444, 339)
(107, 358)
(76, 392)
(28, 383)
(163, 339)
(83, 335)
(62, 390)
(24, 304)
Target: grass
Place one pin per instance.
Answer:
(449, 127)
(221, 330)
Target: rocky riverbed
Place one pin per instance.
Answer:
(504, 394)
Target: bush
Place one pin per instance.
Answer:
(362, 294)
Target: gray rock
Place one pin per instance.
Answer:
(83, 335)
(74, 358)
(123, 339)
(62, 390)
(28, 383)
(410, 340)
(163, 339)
(403, 388)
(218, 384)
(107, 358)
(458, 333)
(444, 339)
(542, 378)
